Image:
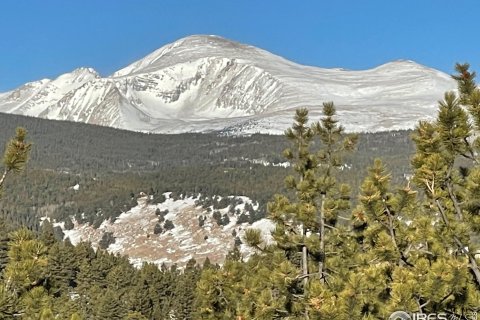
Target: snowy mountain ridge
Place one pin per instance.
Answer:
(208, 83)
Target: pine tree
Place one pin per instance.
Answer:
(62, 269)
(47, 233)
(95, 271)
(411, 255)
(466, 83)
(8, 302)
(334, 198)
(66, 306)
(389, 244)
(319, 198)
(26, 268)
(119, 278)
(305, 163)
(185, 291)
(279, 281)
(140, 300)
(35, 304)
(16, 154)
(438, 146)
(217, 293)
(447, 170)
(161, 288)
(385, 215)
(84, 252)
(109, 306)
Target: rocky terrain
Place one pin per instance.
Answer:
(134, 232)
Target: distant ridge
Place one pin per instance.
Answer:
(207, 83)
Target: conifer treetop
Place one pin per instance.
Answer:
(16, 154)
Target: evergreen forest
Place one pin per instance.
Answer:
(366, 224)
(113, 166)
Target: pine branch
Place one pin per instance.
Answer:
(463, 248)
(446, 297)
(303, 276)
(421, 306)
(330, 227)
(471, 155)
(452, 195)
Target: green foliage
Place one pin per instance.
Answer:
(27, 261)
(8, 302)
(109, 306)
(135, 316)
(446, 168)
(120, 163)
(107, 239)
(466, 81)
(36, 303)
(62, 269)
(61, 281)
(168, 225)
(403, 248)
(253, 238)
(285, 273)
(407, 245)
(157, 229)
(16, 152)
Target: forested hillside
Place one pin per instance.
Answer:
(356, 237)
(45, 278)
(113, 166)
(407, 252)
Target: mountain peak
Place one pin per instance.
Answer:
(85, 70)
(402, 64)
(193, 48)
(206, 83)
(82, 74)
(210, 41)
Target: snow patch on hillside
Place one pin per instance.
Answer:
(266, 163)
(134, 231)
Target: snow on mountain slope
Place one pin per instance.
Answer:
(32, 98)
(135, 236)
(95, 102)
(12, 99)
(205, 83)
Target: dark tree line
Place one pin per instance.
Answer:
(113, 166)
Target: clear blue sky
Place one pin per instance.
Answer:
(40, 39)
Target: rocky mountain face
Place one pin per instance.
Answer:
(207, 83)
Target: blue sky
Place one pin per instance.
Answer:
(43, 39)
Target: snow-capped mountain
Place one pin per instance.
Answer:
(205, 83)
(34, 97)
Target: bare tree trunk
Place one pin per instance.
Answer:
(2, 179)
(305, 266)
(321, 263)
(304, 259)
